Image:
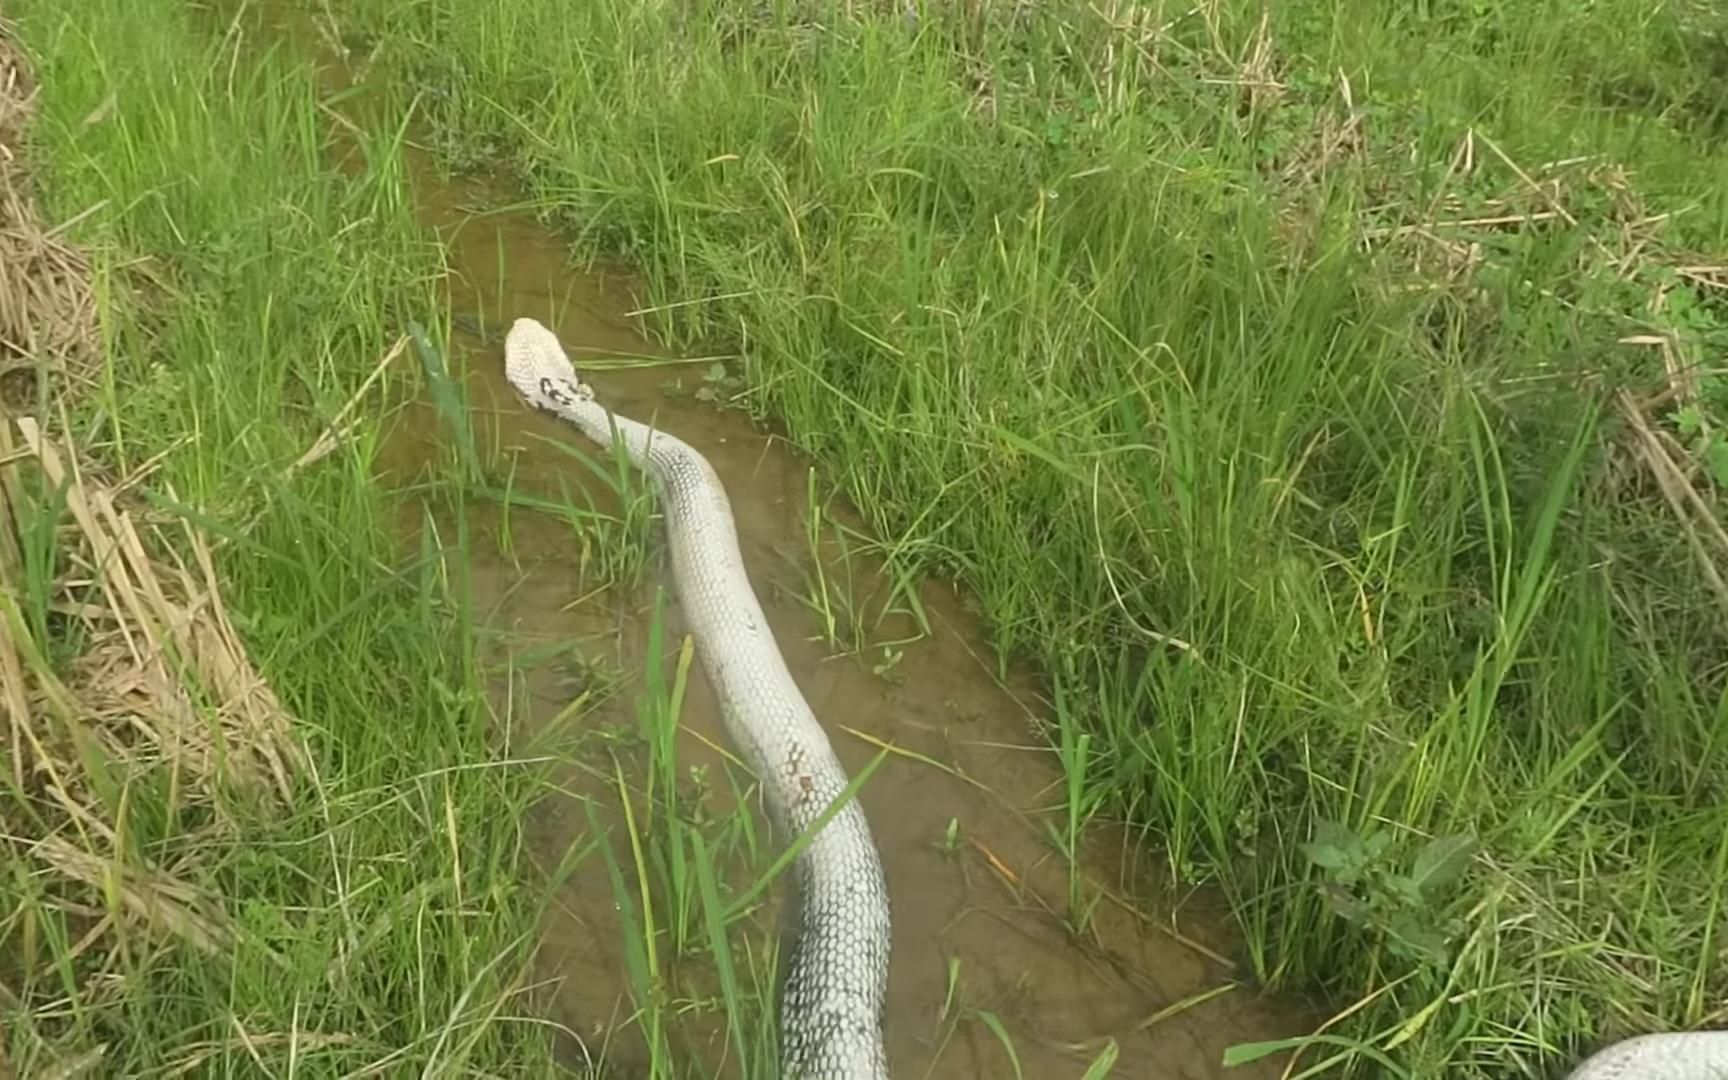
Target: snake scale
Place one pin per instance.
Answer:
(836, 976)
(1674, 1055)
(835, 983)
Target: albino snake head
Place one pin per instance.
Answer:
(537, 367)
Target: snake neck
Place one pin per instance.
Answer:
(835, 978)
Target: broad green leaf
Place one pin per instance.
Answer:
(1441, 861)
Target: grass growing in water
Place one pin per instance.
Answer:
(1260, 368)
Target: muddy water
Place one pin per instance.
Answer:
(993, 904)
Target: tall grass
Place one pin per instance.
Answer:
(1255, 366)
(380, 922)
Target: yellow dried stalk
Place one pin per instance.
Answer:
(179, 646)
(164, 681)
(47, 303)
(151, 897)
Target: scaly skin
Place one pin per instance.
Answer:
(836, 979)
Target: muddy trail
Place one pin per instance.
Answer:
(961, 808)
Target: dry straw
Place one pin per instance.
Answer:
(47, 310)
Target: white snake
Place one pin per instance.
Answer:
(837, 972)
(836, 981)
(1675, 1055)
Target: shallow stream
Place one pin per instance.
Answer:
(990, 897)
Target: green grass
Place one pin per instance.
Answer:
(383, 918)
(380, 919)
(1258, 377)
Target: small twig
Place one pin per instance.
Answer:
(1711, 277)
(150, 465)
(1682, 378)
(1679, 494)
(337, 431)
(74, 219)
(1460, 223)
(912, 755)
(1541, 191)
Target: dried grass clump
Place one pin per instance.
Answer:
(160, 683)
(47, 304)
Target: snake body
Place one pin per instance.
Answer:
(1676, 1055)
(836, 974)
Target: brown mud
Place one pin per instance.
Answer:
(992, 903)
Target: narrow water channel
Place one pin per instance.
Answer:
(988, 905)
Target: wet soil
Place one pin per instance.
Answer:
(1156, 980)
